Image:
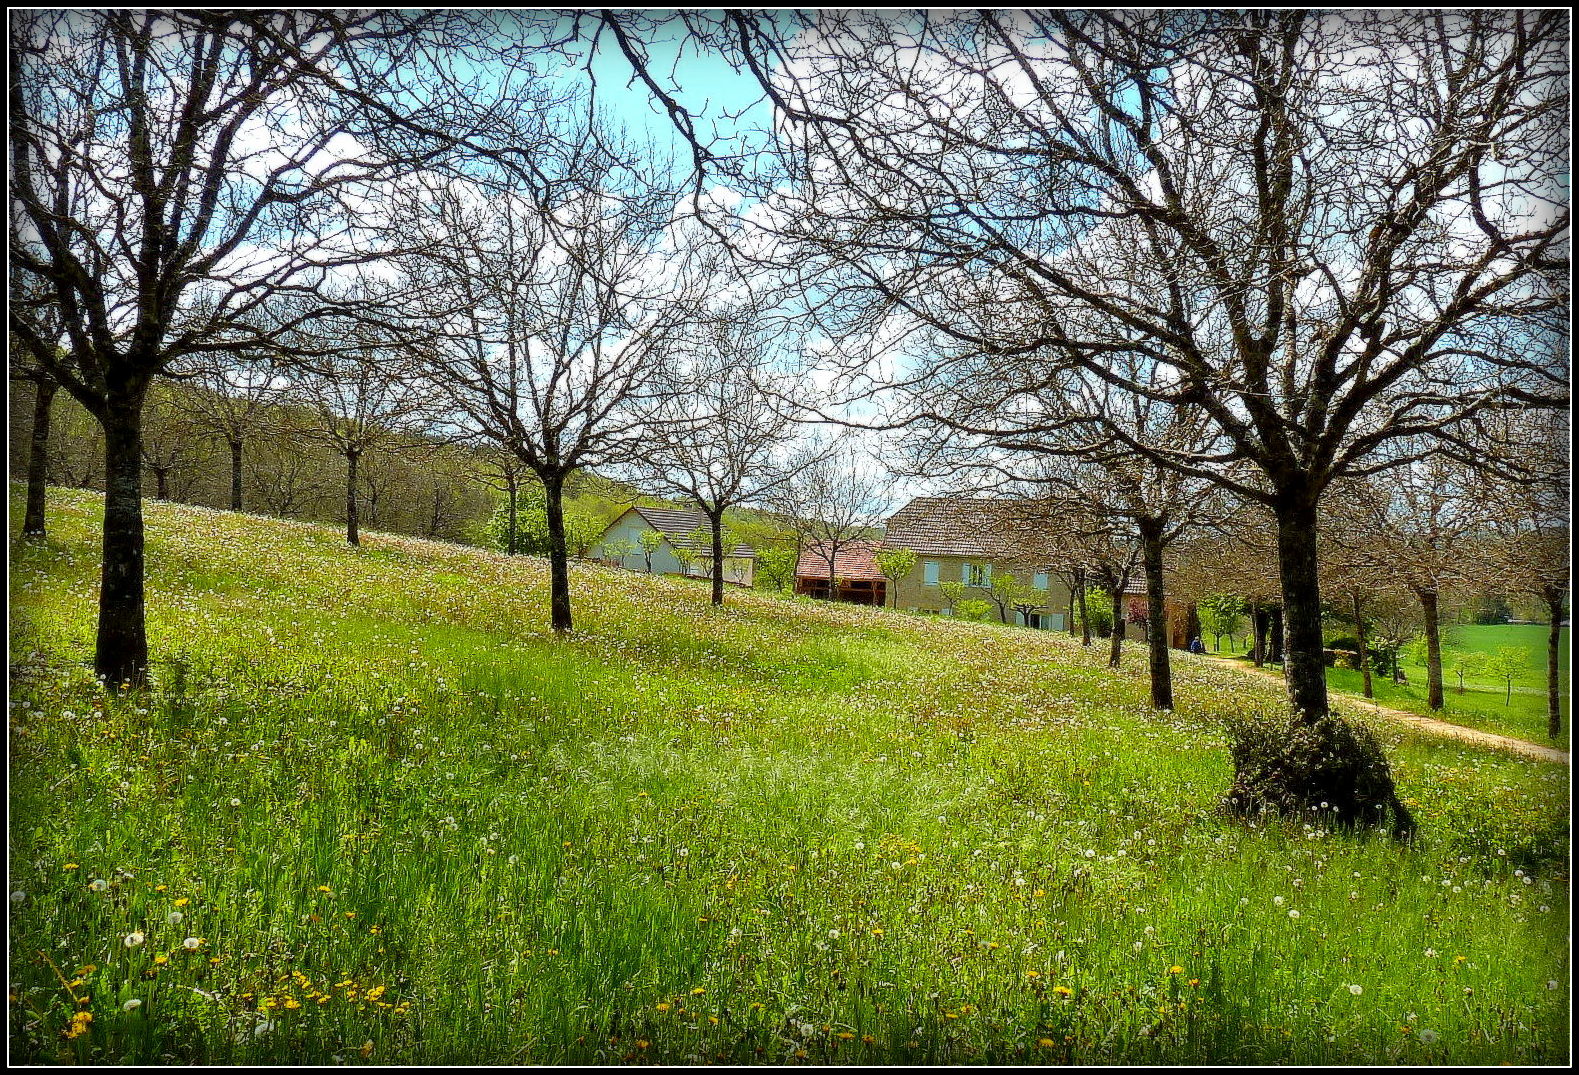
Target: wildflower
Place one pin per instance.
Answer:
(1063, 991)
(1356, 990)
(235, 802)
(134, 939)
(663, 1007)
(1293, 914)
(174, 918)
(98, 884)
(18, 896)
(1046, 1043)
(1428, 1037)
(131, 1005)
(1430, 953)
(182, 902)
(1551, 983)
(191, 943)
(1175, 969)
(1277, 900)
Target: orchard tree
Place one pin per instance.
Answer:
(173, 172)
(551, 315)
(834, 498)
(715, 435)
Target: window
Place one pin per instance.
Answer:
(931, 572)
(1040, 582)
(976, 574)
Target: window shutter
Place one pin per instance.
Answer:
(932, 573)
(964, 573)
(1040, 582)
(986, 574)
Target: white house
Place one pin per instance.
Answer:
(621, 545)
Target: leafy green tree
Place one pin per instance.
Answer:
(1098, 610)
(1008, 592)
(650, 542)
(777, 565)
(1221, 614)
(953, 593)
(1506, 664)
(1472, 663)
(895, 564)
(973, 609)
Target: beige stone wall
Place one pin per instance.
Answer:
(914, 592)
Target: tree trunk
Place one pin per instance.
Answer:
(351, 534)
(716, 522)
(161, 482)
(1275, 635)
(1554, 716)
(513, 490)
(1433, 648)
(1156, 616)
(121, 654)
(1116, 595)
(37, 458)
(1071, 612)
(558, 554)
(1085, 613)
(833, 587)
(1192, 625)
(1258, 626)
(235, 476)
(1365, 654)
(1304, 669)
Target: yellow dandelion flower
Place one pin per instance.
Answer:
(662, 1007)
(1046, 1043)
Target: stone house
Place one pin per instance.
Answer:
(960, 540)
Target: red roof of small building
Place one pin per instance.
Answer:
(853, 562)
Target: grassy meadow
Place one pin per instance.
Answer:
(373, 812)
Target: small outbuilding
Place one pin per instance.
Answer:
(856, 578)
(680, 544)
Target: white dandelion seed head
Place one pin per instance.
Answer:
(1428, 1037)
(174, 918)
(98, 884)
(134, 939)
(191, 943)
(1356, 990)
(131, 1005)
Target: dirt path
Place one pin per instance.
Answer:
(1432, 725)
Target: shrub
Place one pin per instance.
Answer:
(1328, 770)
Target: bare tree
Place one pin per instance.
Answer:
(44, 388)
(230, 398)
(362, 404)
(172, 172)
(169, 441)
(1529, 536)
(835, 497)
(1423, 525)
(716, 436)
(555, 319)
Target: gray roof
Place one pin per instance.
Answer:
(676, 525)
(1001, 530)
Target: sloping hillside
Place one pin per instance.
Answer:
(397, 819)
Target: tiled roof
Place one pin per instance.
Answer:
(676, 525)
(853, 562)
(952, 526)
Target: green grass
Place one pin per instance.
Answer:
(404, 824)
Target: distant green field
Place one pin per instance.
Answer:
(373, 811)
(1484, 703)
